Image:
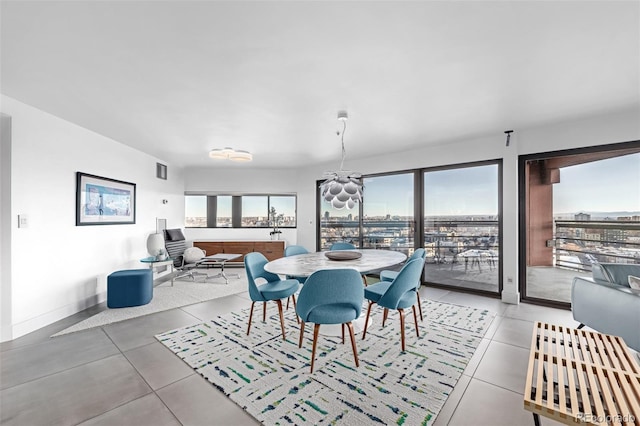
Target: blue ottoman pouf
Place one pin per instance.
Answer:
(131, 287)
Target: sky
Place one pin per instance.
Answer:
(607, 185)
(463, 191)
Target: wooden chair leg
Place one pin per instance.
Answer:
(384, 316)
(353, 343)
(401, 312)
(250, 316)
(287, 308)
(366, 321)
(419, 305)
(264, 312)
(293, 297)
(364, 280)
(279, 302)
(342, 333)
(415, 320)
(316, 329)
(301, 333)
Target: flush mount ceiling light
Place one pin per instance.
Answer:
(230, 154)
(342, 188)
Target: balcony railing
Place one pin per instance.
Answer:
(580, 243)
(445, 239)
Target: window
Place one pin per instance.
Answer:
(582, 206)
(255, 211)
(384, 220)
(388, 221)
(462, 227)
(454, 212)
(239, 211)
(195, 211)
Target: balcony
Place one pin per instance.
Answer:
(578, 244)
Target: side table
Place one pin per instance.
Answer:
(577, 376)
(154, 263)
(219, 259)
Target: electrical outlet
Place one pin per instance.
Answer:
(23, 221)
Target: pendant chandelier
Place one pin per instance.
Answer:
(342, 188)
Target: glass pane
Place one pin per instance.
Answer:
(388, 221)
(461, 229)
(338, 225)
(255, 211)
(588, 212)
(223, 216)
(195, 211)
(285, 207)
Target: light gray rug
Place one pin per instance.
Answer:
(270, 378)
(165, 297)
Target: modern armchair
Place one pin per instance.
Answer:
(342, 246)
(176, 246)
(331, 296)
(606, 303)
(274, 289)
(388, 275)
(398, 294)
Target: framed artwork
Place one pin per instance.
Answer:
(104, 201)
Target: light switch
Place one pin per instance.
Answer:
(23, 221)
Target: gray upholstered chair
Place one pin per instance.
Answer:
(606, 303)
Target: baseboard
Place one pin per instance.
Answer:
(32, 324)
(511, 297)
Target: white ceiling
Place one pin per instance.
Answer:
(175, 78)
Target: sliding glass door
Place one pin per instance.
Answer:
(384, 220)
(388, 219)
(462, 228)
(580, 207)
(453, 212)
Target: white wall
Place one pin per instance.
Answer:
(617, 126)
(58, 268)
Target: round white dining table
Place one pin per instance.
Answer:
(303, 265)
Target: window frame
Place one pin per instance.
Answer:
(236, 209)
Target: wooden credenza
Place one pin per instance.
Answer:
(272, 250)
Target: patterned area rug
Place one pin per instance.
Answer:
(270, 378)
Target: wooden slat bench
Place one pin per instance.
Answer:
(579, 376)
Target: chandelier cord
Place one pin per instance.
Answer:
(344, 153)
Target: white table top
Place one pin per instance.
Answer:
(220, 257)
(303, 265)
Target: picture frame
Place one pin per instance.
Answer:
(104, 201)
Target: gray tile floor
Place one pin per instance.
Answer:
(120, 375)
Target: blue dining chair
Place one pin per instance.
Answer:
(388, 275)
(274, 289)
(331, 296)
(292, 251)
(398, 294)
(342, 246)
